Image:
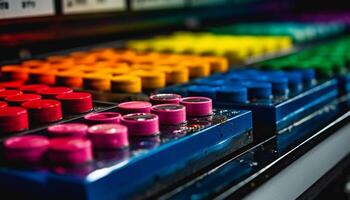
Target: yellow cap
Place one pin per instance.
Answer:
(126, 84)
(97, 81)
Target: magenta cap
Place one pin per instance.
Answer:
(26, 149)
(134, 107)
(70, 151)
(108, 136)
(141, 124)
(170, 114)
(165, 99)
(197, 106)
(68, 129)
(103, 118)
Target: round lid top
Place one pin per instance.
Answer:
(134, 105)
(107, 129)
(11, 111)
(26, 142)
(74, 96)
(41, 104)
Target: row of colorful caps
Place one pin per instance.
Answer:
(243, 86)
(238, 49)
(327, 59)
(298, 31)
(115, 70)
(73, 143)
(39, 104)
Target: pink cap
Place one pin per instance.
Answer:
(17, 100)
(51, 93)
(141, 124)
(26, 149)
(33, 88)
(68, 129)
(103, 118)
(197, 106)
(106, 136)
(76, 102)
(170, 114)
(165, 99)
(134, 107)
(6, 93)
(13, 119)
(70, 151)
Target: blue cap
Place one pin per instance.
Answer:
(209, 82)
(202, 90)
(279, 84)
(257, 89)
(237, 94)
(295, 80)
(308, 76)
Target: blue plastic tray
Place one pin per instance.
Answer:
(176, 153)
(274, 112)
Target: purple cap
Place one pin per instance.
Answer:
(141, 124)
(108, 136)
(165, 99)
(26, 149)
(197, 106)
(103, 118)
(134, 107)
(68, 129)
(170, 114)
(70, 151)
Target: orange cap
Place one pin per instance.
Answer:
(43, 75)
(97, 81)
(126, 84)
(14, 73)
(197, 68)
(151, 79)
(217, 64)
(70, 78)
(33, 64)
(175, 75)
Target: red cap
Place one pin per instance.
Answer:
(70, 151)
(3, 104)
(197, 106)
(76, 102)
(33, 88)
(141, 124)
(134, 107)
(17, 100)
(68, 129)
(103, 118)
(11, 84)
(26, 149)
(105, 136)
(13, 119)
(43, 111)
(51, 93)
(165, 99)
(7, 93)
